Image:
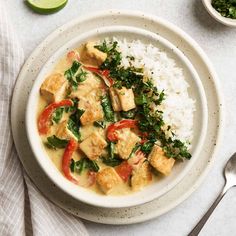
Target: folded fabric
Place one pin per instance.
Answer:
(23, 210)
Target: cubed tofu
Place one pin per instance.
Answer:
(161, 162)
(63, 132)
(93, 146)
(141, 176)
(94, 53)
(122, 99)
(53, 89)
(126, 142)
(91, 105)
(85, 87)
(115, 101)
(126, 97)
(108, 179)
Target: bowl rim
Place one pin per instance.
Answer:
(217, 16)
(63, 179)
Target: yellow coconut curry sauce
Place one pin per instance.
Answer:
(98, 125)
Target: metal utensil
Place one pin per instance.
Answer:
(230, 181)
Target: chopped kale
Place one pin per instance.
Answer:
(128, 114)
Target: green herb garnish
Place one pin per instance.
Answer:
(55, 142)
(226, 8)
(128, 114)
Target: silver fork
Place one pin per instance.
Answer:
(230, 181)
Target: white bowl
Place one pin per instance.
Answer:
(154, 190)
(215, 14)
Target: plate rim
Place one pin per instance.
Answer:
(178, 31)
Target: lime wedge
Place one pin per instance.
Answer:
(46, 6)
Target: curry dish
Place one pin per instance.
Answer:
(100, 124)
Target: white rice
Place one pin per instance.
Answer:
(178, 108)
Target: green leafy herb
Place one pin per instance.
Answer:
(107, 108)
(114, 56)
(111, 161)
(141, 99)
(74, 107)
(128, 114)
(55, 142)
(226, 8)
(73, 76)
(74, 123)
(101, 124)
(83, 164)
(147, 147)
(81, 76)
(57, 115)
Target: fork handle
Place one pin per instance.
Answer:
(196, 230)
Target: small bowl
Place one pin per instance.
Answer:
(215, 14)
(154, 190)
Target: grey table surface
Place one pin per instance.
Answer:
(219, 43)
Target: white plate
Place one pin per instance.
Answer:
(153, 190)
(210, 84)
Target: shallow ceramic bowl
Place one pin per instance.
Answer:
(215, 14)
(154, 190)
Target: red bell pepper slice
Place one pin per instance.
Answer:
(111, 130)
(103, 73)
(66, 160)
(44, 118)
(124, 170)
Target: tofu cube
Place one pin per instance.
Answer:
(126, 142)
(85, 87)
(115, 101)
(141, 176)
(122, 99)
(91, 105)
(53, 89)
(94, 53)
(108, 179)
(93, 146)
(63, 132)
(161, 162)
(126, 97)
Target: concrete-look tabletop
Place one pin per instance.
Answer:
(219, 43)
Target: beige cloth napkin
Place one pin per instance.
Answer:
(23, 210)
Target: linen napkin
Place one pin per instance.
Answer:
(23, 210)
